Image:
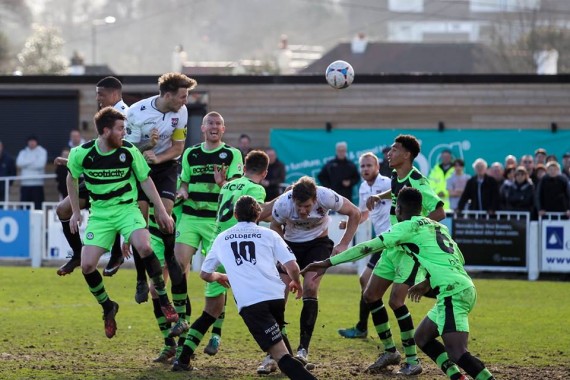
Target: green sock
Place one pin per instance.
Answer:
(381, 324)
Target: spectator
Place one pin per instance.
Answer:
(553, 191)
(509, 178)
(496, 171)
(385, 168)
(438, 177)
(539, 172)
(528, 162)
(7, 169)
(511, 160)
(61, 175)
(518, 195)
(75, 138)
(566, 165)
(32, 162)
(481, 190)
(456, 183)
(540, 156)
(275, 176)
(244, 144)
(340, 174)
(550, 157)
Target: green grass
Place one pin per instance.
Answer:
(52, 329)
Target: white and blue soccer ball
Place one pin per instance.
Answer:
(339, 74)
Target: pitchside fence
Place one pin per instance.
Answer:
(504, 242)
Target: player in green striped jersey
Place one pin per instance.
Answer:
(429, 243)
(111, 168)
(255, 170)
(206, 167)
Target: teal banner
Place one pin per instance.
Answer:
(304, 152)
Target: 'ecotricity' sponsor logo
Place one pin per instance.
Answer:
(107, 173)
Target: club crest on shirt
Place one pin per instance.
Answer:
(129, 131)
(223, 155)
(174, 122)
(122, 157)
(321, 211)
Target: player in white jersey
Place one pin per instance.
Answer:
(374, 183)
(109, 92)
(157, 126)
(256, 285)
(301, 217)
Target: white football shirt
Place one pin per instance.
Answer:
(380, 216)
(299, 230)
(249, 254)
(122, 107)
(143, 117)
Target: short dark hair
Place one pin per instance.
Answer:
(410, 200)
(247, 209)
(244, 136)
(32, 137)
(106, 118)
(256, 162)
(110, 82)
(171, 82)
(410, 143)
(304, 189)
(460, 162)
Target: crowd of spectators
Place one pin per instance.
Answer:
(537, 184)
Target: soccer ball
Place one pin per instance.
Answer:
(339, 74)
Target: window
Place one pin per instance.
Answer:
(503, 5)
(406, 6)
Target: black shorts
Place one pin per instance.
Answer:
(374, 259)
(84, 193)
(310, 251)
(263, 320)
(164, 177)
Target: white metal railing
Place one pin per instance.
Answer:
(5, 183)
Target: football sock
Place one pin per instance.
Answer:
(436, 351)
(308, 319)
(95, 282)
(381, 324)
(364, 312)
(155, 273)
(180, 297)
(195, 336)
(163, 325)
(116, 250)
(139, 265)
(294, 369)
(407, 334)
(217, 328)
(286, 338)
(74, 240)
(174, 268)
(474, 367)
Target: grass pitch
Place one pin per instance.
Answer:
(52, 328)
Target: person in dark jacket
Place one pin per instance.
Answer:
(481, 190)
(340, 174)
(518, 195)
(552, 191)
(7, 169)
(275, 176)
(61, 176)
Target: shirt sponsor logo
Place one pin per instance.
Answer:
(107, 173)
(203, 169)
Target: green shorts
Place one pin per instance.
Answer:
(214, 289)
(102, 229)
(396, 266)
(192, 231)
(450, 313)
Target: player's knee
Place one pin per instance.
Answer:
(370, 295)
(420, 339)
(144, 249)
(63, 210)
(88, 266)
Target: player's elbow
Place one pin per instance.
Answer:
(206, 276)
